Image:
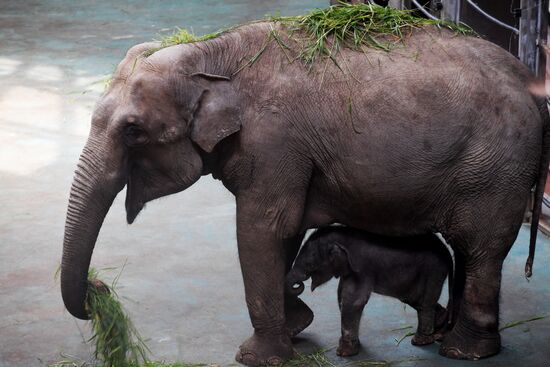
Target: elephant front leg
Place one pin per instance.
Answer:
(425, 330)
(261, 256)
(353, 297)
(269, 213)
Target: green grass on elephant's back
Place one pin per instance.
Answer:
(322, 32)
(356, 26)
(117, 342)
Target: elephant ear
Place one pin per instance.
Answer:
(216, 114)
(341, 261)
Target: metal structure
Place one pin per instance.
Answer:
(520, 26)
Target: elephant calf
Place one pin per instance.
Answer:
(412, 269)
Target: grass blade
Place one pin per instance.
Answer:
(520, 322)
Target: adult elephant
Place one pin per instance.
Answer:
(439, 135)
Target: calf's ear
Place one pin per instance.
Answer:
(341, 261)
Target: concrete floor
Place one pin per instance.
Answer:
(182, 282)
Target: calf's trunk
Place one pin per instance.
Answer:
(295, 282)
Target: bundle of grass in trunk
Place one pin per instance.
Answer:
(117, 342)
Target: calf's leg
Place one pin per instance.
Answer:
(429, 309)
(353, 297)
(425, 330)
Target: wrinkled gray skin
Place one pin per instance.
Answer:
(411, 269)
(440, 135)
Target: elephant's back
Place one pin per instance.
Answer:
(437, 48)
(441, 113)
(442, 90)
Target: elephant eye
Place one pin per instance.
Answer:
(135, 136)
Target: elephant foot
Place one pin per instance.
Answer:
(265, 350)
(347, 347)
(420, 340)
(298, 316)
(455, 346)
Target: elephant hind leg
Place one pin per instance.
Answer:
(475, 334)
(484, 246)
(483, 234)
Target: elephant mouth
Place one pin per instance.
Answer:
(133, 211)
(133, 204)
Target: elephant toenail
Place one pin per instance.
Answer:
(274, 361)
(453, 353)
(248, 359)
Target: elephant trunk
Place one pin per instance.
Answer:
(95, 185)
(295, 282)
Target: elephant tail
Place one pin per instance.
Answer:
(451, 286)
(539, 189)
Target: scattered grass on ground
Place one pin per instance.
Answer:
(315, 359)
(73, 362)
(320, 359)
(175, 364)
(70, 361)
(405, 336)
(520, 322)
(403, 328)
(383, 363)
(409, 332)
